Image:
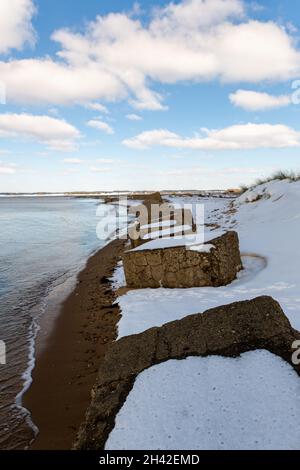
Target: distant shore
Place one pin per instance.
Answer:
(67, 366)
(130, 194)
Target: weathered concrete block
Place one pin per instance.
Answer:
(182, 267)
(229, 330)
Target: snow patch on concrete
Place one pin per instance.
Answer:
(212, 403)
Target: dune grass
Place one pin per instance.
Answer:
(278, 175)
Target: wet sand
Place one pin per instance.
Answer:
(67, 364)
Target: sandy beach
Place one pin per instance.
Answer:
(68, 362)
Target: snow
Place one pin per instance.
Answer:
(189, 241)
(209, 203)
(202, 248)
(220, 403)
(144, 308)
(212, 403)
(118, 278)
(269, 231)
(168, 231)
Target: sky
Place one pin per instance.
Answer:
(123, 95)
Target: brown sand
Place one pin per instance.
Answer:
(67, 367)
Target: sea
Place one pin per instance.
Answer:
(44, 243)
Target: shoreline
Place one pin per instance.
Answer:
(68, 358)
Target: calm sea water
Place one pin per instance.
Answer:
(43, 242)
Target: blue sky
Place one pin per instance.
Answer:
(105, 95)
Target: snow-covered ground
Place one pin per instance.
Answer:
(212, 403)
(118, 278)
(269, 232)
(219, 403)
(144, 308)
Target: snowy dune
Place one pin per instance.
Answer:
(269, 230)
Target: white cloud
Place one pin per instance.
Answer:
(147, 99)
(105, 161)
(256, 101)
(73, 161)
(38, 81)
(53, 111)
(246, 52)
(55, 133)
(7, 170)
(97, 107)
(119, 57)
(148, 139)
(292, 28)
(195, 14)
(15, 24)
(257, 7)
(134, 117)
(237, 137)
(95, 169)
(100, 125)
(203, 171)
(70, 171)
(209, 178)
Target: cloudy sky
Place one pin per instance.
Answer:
(102, 95)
